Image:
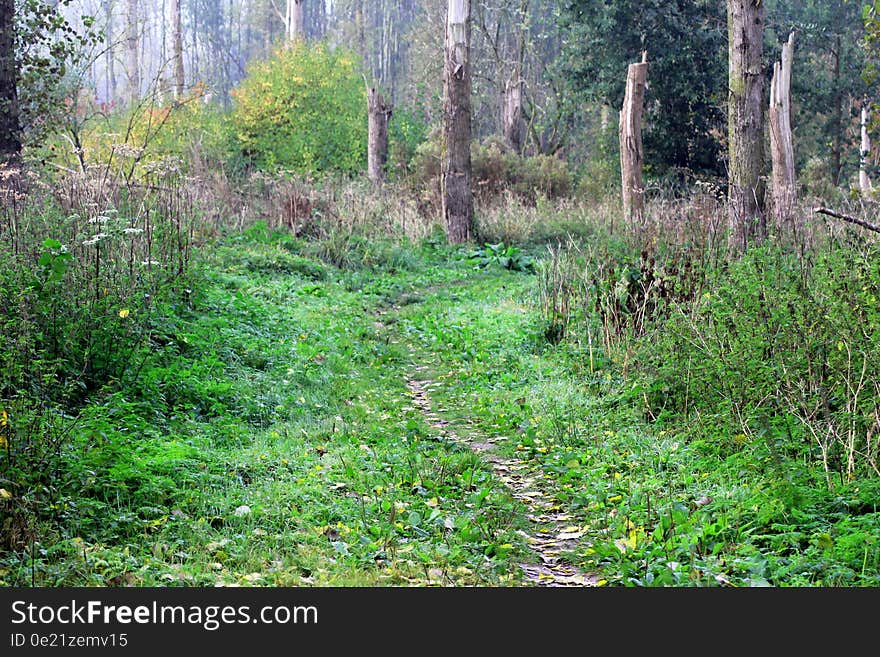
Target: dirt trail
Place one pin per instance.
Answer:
(552, 534)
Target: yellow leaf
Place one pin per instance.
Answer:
(5, 494)
(125, 312)
(433, 502)
(4, 419)
(632, 540)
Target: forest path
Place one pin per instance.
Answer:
(551, 531)
(552, 534)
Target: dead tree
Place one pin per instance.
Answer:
(293, 20)
(177, 49)
(745, 134)
(458, 200)
(378, 113)
(133, 48)
(865, 152)
(631, 151)
(511, 111)
(781, 146)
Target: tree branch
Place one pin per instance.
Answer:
(852, 220)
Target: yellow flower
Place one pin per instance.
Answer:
(125, 312)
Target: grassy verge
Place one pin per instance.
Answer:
(270, 439)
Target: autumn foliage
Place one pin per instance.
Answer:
(303, 109)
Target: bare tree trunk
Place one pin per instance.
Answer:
(10, 126)
(294, 20)
(865, 152)
(511, 111)
(134, 71)
(379, 113)
(781, 146)
(747, 222)
(458, 200)
(631, 151)
(110, 55)
(177, 49)
(837, 116)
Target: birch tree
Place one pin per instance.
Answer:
(177, 49)
(293, 20)
(133, 52)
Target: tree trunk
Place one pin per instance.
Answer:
(134, 71)
(631, 152)
(110, 54)
(177, 49)
(10, 126)
(511, 112)
(294, 20)
(865, 152)
(747, 222)
(837, 117)
(379, 113)
(458, 200)
(781, 146)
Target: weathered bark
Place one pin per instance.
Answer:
(458, 200)
(132, 47)
(511, 112)
(379, 113)
(10, 126)
(865, 152)
(631, 151)
(781, 146)
(747, 222)
(177, 49)
(294, 20)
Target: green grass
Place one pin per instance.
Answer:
(270, 439)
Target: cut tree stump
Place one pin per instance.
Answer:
(631, 152)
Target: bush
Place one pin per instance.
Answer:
(782, 353)
(304, 109)
(496, 172)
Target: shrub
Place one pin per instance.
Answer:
(303, 109)
(496, 172)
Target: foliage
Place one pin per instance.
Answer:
(132, 143)
(51, 53)
(685, 43)
(304, 109)
(828, 88)
(495, 172)
(78, 295)
(785, 353)
(407, 130)
(507, 256)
